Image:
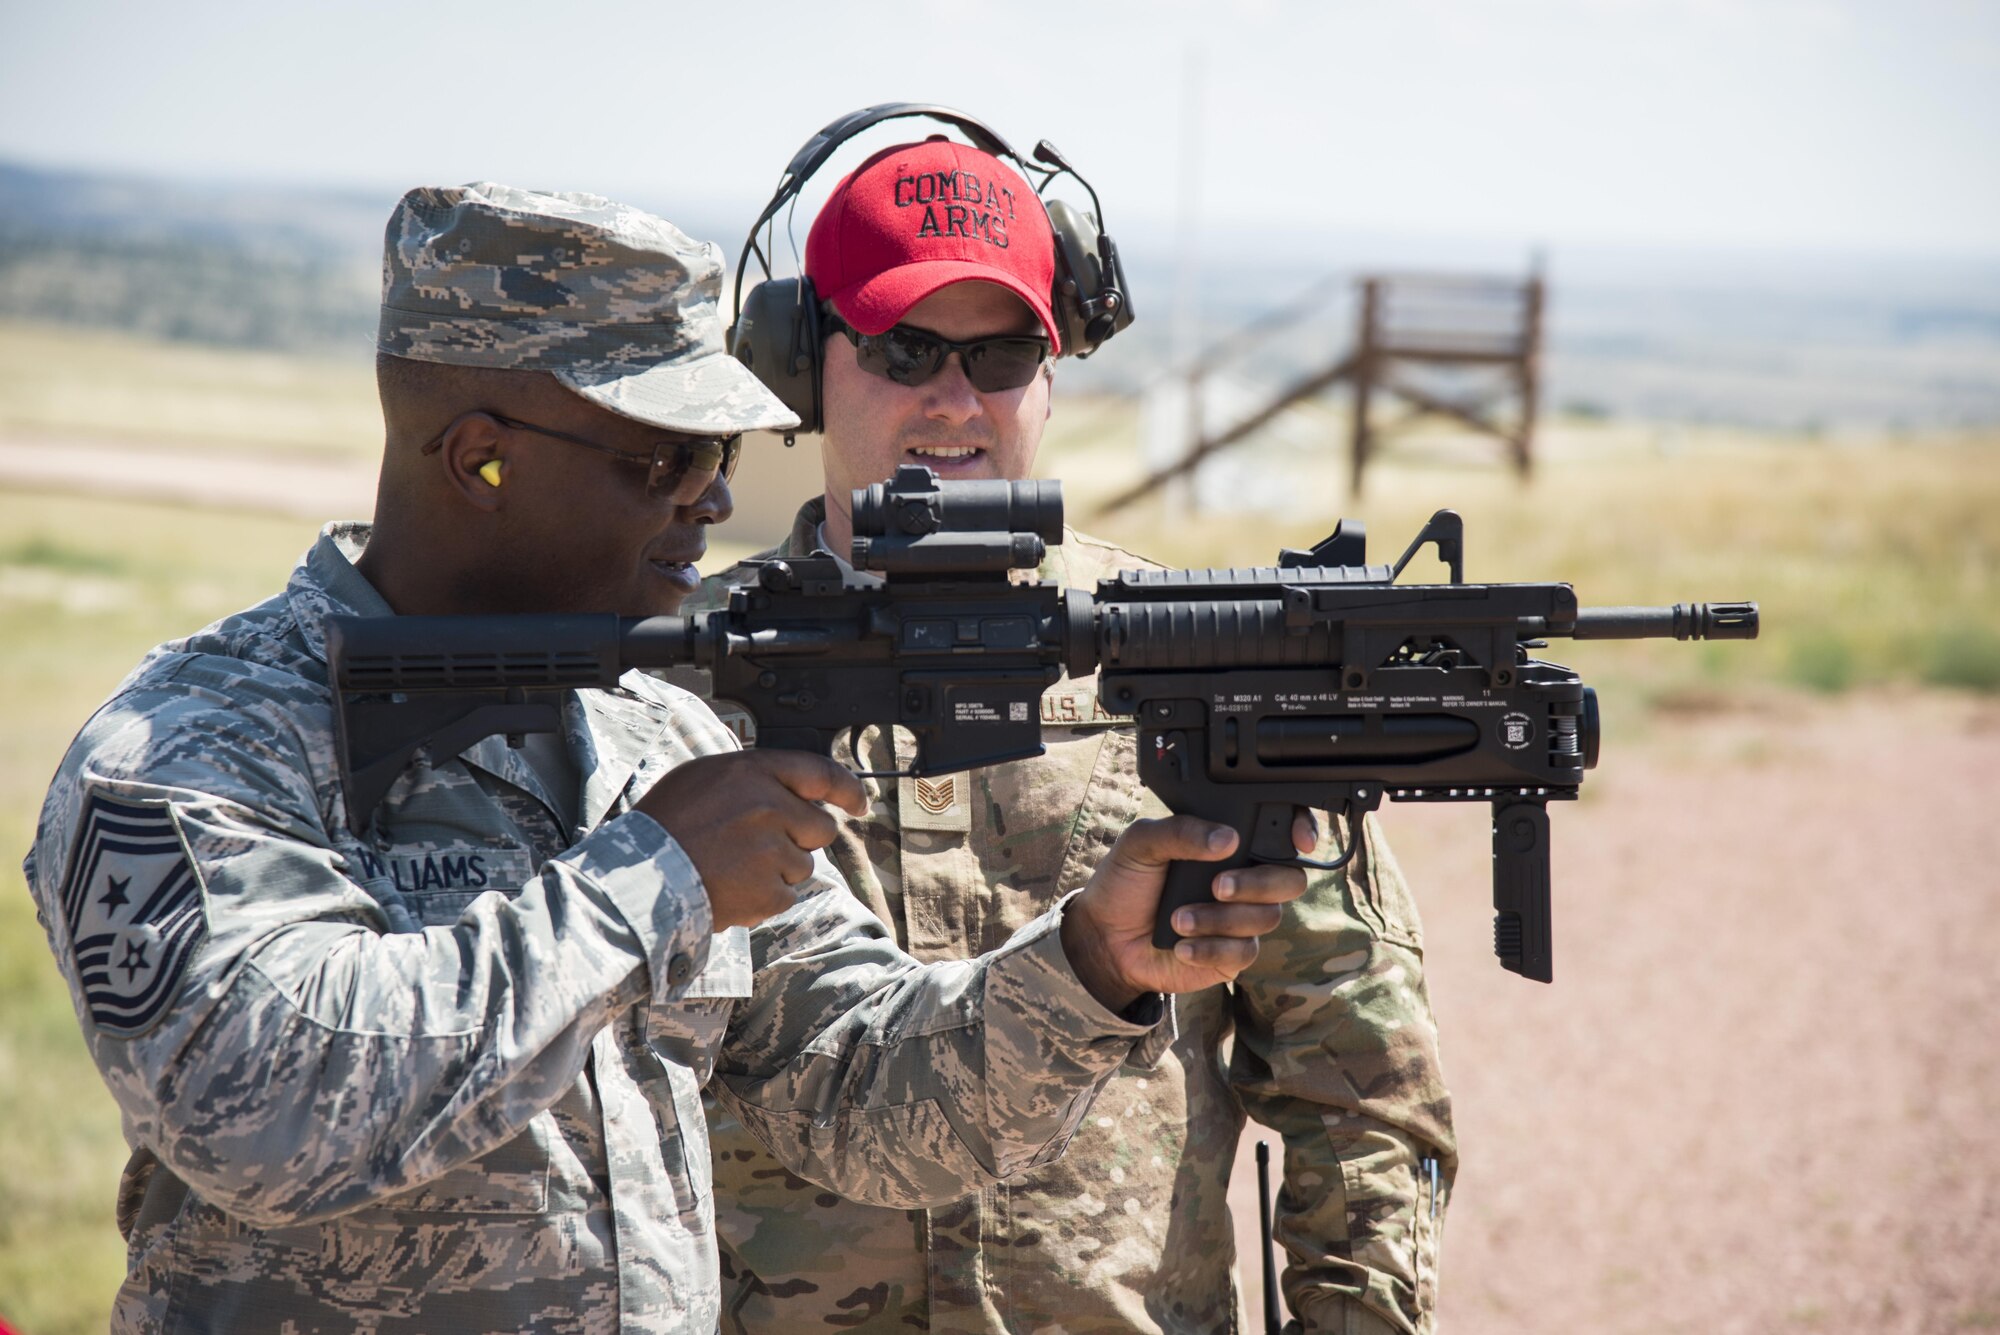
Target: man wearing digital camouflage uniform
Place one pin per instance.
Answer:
(440, 1073)
(1335, 1045)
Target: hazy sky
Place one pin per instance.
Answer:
(1814, 124)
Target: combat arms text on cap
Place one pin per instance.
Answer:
(919, 217)
(617, 304)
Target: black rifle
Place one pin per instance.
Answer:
(1319, 682)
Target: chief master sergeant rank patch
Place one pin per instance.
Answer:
(133, 911)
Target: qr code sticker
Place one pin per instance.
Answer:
(1017, 712)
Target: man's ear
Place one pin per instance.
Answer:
(1049, 407)
(475, 462)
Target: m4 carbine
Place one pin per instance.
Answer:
(1318, 682)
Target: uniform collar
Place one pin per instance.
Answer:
(325, 583)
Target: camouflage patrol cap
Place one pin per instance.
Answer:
(617, 304)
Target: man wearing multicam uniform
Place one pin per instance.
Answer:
(1334, 1046)
(441, 1073)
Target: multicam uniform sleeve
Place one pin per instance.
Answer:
(1336, 1049)
(910, 1085)
(299, 1060)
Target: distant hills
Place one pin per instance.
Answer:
(1797, 342)
(272, 220)
(231, 265)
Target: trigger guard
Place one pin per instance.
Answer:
(1314, 864)
(854, 732)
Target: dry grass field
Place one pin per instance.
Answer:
(91, 384)
(1756, 1098)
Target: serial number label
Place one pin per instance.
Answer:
(1308, 702)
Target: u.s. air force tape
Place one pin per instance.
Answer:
(133, 910)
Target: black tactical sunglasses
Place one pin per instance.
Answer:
(910, 356)
(679, 468)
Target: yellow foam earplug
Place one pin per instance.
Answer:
(490, 470)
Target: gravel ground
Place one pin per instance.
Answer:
(1763, 1093)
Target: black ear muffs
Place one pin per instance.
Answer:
(1090, 299)
(776, 329)
(777, 335)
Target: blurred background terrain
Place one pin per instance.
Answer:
(1758, 1095)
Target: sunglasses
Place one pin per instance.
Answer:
(679, 468)
(910, 356)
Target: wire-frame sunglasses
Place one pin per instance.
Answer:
(678, 468)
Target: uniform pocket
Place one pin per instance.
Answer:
(475, 1189)
(513, 1179)
(1382, 894)
(1100, 796)
(878, 1156)
(675, 1095)
(1392, 1226)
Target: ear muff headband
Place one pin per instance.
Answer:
(775, 328)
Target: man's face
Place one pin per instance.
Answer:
(874, 425)
(579, 533)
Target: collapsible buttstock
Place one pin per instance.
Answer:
(374, 738)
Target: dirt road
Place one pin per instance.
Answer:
(284, 484)
(768, 489)
(1763, 1093)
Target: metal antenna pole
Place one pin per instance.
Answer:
(1264, 1231)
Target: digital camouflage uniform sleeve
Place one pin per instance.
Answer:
(1336, 1048)
(311, 1056)
(905, 1085)
(935, 1077)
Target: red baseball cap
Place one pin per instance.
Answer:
(919, 217)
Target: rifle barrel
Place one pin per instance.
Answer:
(1682, 621)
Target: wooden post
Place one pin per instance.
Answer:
(1365, 365)
(1528, 373)
(1490, 327)
(1181, 495)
